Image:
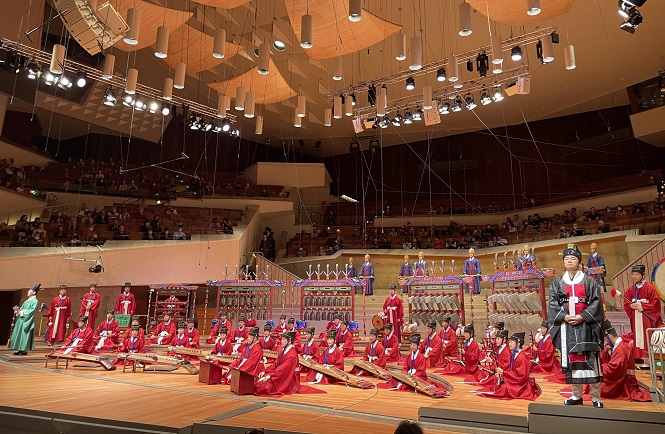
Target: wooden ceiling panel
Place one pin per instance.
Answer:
(268, 89)
(513, 12)
(224, 4)
(152, 16)
(331, 15)
(195, 49)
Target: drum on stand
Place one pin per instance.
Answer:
(378, 322)
(658, 278)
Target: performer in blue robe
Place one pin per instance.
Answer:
(351, 271)
(367, 273)
(597, 261)
(472, 268)
(421, 269)
(526, 261)
(406, 271)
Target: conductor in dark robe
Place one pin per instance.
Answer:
(575, 317)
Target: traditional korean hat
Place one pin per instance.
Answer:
(282, 316)
(518, 337)
(446, 318)
(167, 313)
(469, 328)
(432, 325)
(83, 318)
(63, 286)
(393, 287)
(127, 284)
(222, 329)
(572, 250)
(639, 268)
(254, 331)
(500, 325)
(345, 322)
(110, 311)
(415, 339)
(241, 317)
(545, 324)
(331, 334)
(181, 325)
(93, 285)
(290, 336)
(502, 334)
(135, 327)
(222, 313)
(36, 287)
(267, 327)
(388, 326)
(374, 332)
(310, 330)
(192, 320)
(337, 316)
(608, 328)
(291, 320)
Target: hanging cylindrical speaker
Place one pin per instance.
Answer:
(453, 69)
(348, 106)
(381, 101)
(306, 31)
(240, 98)
(337, 107)
(465, 19)
(259, 125)
(355, 10)
(297, 121)
(57, 59)
(569, 57)
(249, 104)
(221, 107)
(168, 88)
(400, 46)
(134, 23)
(162, 45)
(227, 102)
(179, 78)
(302, 106)
(338, 70)
(416, 61)
(548, 49)
(497, 53)
(327, 117)
(427, 97)
(131, 80)
(219, 44)
(532, 7)
(264, 59)
(109, 65)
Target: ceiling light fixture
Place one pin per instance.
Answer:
(355, 10)
(338, 70)
(533, 7)
(264, 59)
(516, 53)
(548, 49)
(219, 44)
(457, 105)
(465, 19)
(278, 45)
(632, 23)
(138, 103)
(109, 97)
(166, 110)
(416, 53)
(485, 97)
(64, 82)
(193, 122)
(418, 114)
(109, 64)
(397, 120)
(127, 99)
(410, 83)
(470, 103)
(569, 57)
(226, 125)
(444, 108)
(306, 31)
(498, 94)
(134, 23)
(33, 69)
(80, 79)
(400, 42)
(441, 74)
(153, 107)
(408, 117)
(162, 44)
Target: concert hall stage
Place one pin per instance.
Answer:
(175, 402)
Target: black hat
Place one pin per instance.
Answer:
(310, 330)
(83, 318)
(63, 286)
(282, 316)
(608, 328)
(128, 284)
(518, 337)
(468, 328)
(545, 324)
(93, 285)
(222, 313)
(415, 339)
(337, 316)
(331, 334)
(181, 325)
(393, 287)
(254, 331)
(135, 327)
(572, 250)
(446, 318)
(502, 334)
(500, 325)
(36, 287)
(291, 320)
(431, 325)
(639, 268)
(222, 329)
(267, 327)
(290, 336)
(345, 322)
(388, 326)
(374, 332)
(110, 311)
(167, 313)
(191, 320)
(241, 317)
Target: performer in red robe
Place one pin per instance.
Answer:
(135, 322)
(252, 356)
(223, 346)
(282, 377)
(250, 322)
(332, 325)
(391, 344)
(393, 310)
(281, 327)
(431, 347)
(641, 299)
(310, 349)
(180, 339)
(374, 353)
(214, 333)
(332, 356)
(164, 331)
(619, 381)
(500, 356)
(125, 304)
(132, 344)
(239, 334)
(79, 340)
(414, 365)
(90, 305)
(267, 342)
(344, 340)
(59, 313)
(448, 339)
(516, 382)
(192, 334)
(291, 327)
(107, 333)
(546, 359)
(470, 358)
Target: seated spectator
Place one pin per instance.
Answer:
(301, 253)
(610, 214)
(90, 234)
(74, 241)
(576, 232)
(226, 226)
(114, 226)
(166, 235)
(264, 193)
(637, 209)
(4, 230)
(179, 234)
(158, 228)
(60, 232)
(113, 214)
(150, 235)
(169, 209)
(19, 223)
(621, 212)
(563, 233)
(40, 231)
(35, 241)
(55, 216)
(121, 233)
(87, 218)
(593, 215)
(321, 252)
(407, 244)
(21, 239)
(215, 224)
(27, 229)
(146, 226)
(500, 241)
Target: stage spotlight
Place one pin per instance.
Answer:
(166, 110)
(482, 64)
(353, 99)
(109, 97)
(633, 22)
(516, 53)
(444, 109)
(470, 103)
(64, 82)
(408, 117)
(193, 122)
(226, 125)
(418, 114)
(278, 45)
(397, 120)
(410, 83)
(205, 126)
(138, 103)
(80, 79)
(498, 94)
(49, 78)
(33, 69)
(127, 99)
(485, 97)
(216, 128)
(153, 107)
(457, 105)
(441, 74)
(383, 123)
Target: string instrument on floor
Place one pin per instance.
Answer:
(372, 369)
(418, 384)
(103, 361)
(439, 379)
(188, 351)
(270, 354)
(336, 373)
(223, 358)
(155, 359)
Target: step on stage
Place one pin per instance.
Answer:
(87, 399)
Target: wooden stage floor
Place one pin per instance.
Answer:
(176, 399)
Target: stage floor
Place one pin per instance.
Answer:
(176, 399)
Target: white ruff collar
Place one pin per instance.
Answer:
(577, 279)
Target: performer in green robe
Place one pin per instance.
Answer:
(22, 338)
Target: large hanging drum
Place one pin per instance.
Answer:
(378, 321)
(658, 278)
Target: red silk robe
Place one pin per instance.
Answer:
(84, 345)
(251, 323)
(296, 341)
(240, 334)
(651, 307)
(59, 312)
(449, 343)
(267, 343)
(280, 328)
(125, 304)
(335, 359)
(214, 333)
(127, 334)
(223, 347)
(431, 346)
(395, 306)
(284, 379)
(391, 344)
(517, 381)
(619, 381)
(471, 358)
(194, 337)
(502, 361)
(311, 348)
(413, 365)
(94, 308)
(375, 354)
(548, 362)
(138, 346)
(112, 330)
(169, 328)
(250, 361)
(345, 343)
(331, 326)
